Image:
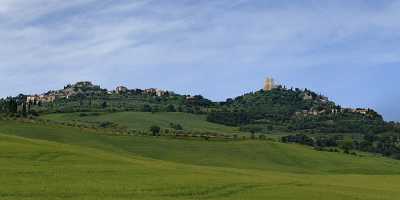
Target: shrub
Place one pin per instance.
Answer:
(177, 127)
(155, 130)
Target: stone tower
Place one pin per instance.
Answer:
(269, 84)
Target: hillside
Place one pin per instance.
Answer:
(85, 96)
(83, 164)
(279, 108)
(245, 154)
(143, 120)
(304, 114)
(294, 110)
(282, 108)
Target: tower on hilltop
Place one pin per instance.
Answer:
(269, 84)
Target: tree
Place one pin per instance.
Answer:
(347, 145)
(155, 130)
(29, 107)
(24, 112)
(170, 108)
(177, 127)
(12, 106)
(104, 105)
(147, 108)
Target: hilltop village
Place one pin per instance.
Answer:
(88, 88)
(308, 95)
(274, 107)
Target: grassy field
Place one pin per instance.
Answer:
(143, 120)
(55, 162)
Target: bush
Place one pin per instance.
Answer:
(155, 130)
(253, 128)
(147, 108)
(170, 108)
(299, 138)
(83, 115)
(177, 127)
(229, 118)
(262, 137)
(108, 125)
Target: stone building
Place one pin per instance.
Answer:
(269, 84)
(361, 111)
(308, 96)
(42, 99)
(150, 91)
(161, 93)
(121, 90)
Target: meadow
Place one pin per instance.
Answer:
(143, 120)
(56, 162)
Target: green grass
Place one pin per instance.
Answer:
(143, 120)
(55, 162)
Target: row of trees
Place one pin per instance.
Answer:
(8, 105)
(387, 144)
(230, 118)
(16, 106)
(172, 108)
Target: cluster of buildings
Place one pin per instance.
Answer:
(314, 112)
(88, 88)
(311, 112)
(40, 98)
(149, 91)
(360, 111)
(83, 87)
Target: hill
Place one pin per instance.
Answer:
(278, 110)
(55, 162)
(294, 110)
(143, 120)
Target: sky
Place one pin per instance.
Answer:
(346, 50)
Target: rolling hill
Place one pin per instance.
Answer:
(56, 162)
(143, 120)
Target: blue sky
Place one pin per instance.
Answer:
(347, 50)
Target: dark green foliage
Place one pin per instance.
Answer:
(24, 110)
(10, 105)
(155, 130)
(147, 108)
(298, 138)
(347, 145)
(198, 100)
(170, 108)
(326, 142)
(386, 144)
(108, 125)
(294, 110)
(229, 118)
(104, 105)
(252, 128)
(177, 127)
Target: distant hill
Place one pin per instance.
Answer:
(261, 111)
(293, 109)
